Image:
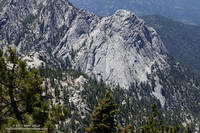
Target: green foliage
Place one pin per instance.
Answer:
(35, 106)
(155, 125)
(75, 74)
(22, 98)
(103, 118)
(56, 114)
(187, 130)
(181, 40)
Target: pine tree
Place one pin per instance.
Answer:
(22, 97)
(103, 117)
(155, 125)
(187, 130)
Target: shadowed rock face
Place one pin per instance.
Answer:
(181, 40)
(118, 49)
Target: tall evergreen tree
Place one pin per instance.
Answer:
(103, 117)
(22, 97)
(155, 125)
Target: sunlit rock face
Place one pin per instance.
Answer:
(118, 50)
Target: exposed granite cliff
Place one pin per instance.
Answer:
(118, 49)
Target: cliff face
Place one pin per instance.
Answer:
(118, 50)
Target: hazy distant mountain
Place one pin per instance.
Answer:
(181, 40)
(183, 10)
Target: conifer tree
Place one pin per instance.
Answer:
(187, 130)
(103, 117)
(155, 125)
(22, 97)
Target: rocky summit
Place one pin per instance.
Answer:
(119, 50)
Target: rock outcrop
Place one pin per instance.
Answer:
(118, 49)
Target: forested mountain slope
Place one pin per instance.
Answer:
(118, 50)
(181, 40)
(181, 10)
